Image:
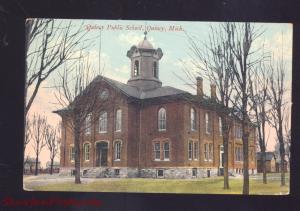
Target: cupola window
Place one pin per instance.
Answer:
(136, 70)
(155, 70)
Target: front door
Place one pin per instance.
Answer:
(101, 154)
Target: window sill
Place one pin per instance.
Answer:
(117, 160)
(102, 132)
(162, 130)
(166, 160)
(87, 161)
(118, 131)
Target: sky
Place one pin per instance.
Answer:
(117, 37)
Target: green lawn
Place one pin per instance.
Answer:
(197, 186)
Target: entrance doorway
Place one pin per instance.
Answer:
(101, 153)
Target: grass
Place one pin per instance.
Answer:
(197, 186)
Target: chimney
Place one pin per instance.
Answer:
(199, 86)
(213, 94)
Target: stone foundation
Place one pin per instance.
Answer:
(167, 173)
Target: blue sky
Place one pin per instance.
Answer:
(117, 39)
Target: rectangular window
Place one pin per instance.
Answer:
(206, 152)
(196, 151)
(210, 150)
(117, 172)
(118, 151)
(190, 150)
(239, 154)
(160, 173)
(72, 153)
(220, 127)
(238, 132)
(86, 151)
(207, 123)
(118, 120)
(157, 151)
(194, 172)
(166, 151)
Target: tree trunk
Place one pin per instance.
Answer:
(36, 165)
(226, 160)
(264, 168)
(77, 152)
(51, 167)
(246, 160)
(282, 170)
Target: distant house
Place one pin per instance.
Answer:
(29, 166)
(270, 162)
(55, 166)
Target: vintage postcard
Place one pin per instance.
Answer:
(158, 106)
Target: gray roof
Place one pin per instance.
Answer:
(269, 155)
(135, 92)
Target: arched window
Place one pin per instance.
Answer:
(119, 120)
(162, 119)
(86, 152)
(193, 119)
(136, 68)
(88, 124)
(117, 148)
(155, 70)
(103, 122)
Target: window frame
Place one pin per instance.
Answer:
(193, 119)
(72, 153)
(162, 119)
(117, 150)
(207, 123)
(88, 124)
(136, 68)
(156, 151)
(190, 150)
(103, 120)
(85, 153)
(118, 119)
(220, 127)
(164, 151)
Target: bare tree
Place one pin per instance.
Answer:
(52, 137)
(82, 100)
(49, 44)
(39, 125)
(259, 101)
(211, 61)
(278, 104)
(241, 37)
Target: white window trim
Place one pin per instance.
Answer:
(117, 120)
(193, 121)
(159, 120)
(88, 124)
(163, 143)
(115, 143)
(106, 123)
(84, 143)
(70, 153)
(207, 123)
